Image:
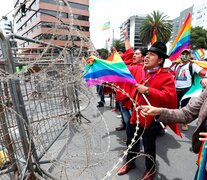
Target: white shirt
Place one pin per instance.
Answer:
(183, 78)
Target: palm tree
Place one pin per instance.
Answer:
(159, 22)
(117, 44)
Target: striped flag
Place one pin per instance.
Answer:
(182, 41)
(100, 71)
(199, 54)
(154, 37)
(106, 26)
(195, 89)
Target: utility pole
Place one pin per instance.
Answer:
(112, 36)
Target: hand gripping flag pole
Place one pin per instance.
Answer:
(99, 70)
(145, 98)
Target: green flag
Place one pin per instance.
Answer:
(195, 89)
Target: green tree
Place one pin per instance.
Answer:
(198, 38)
(160, 23)
(103, 53)
(117, 44)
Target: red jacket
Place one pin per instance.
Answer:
(127, 58)
(162, 92)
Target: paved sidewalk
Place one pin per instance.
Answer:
(175, 161)
(89, 150)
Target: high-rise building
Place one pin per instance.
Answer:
(60, 22)
(199, 17)
(133, 25)
(6, 25)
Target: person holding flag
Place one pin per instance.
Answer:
(158, 86)
(195, 110)
(184, 75)
(184, 70)
(130, 58)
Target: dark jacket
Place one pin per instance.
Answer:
(195, 109)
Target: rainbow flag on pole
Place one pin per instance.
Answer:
(106, 26)
(182, 41)
(103, 71)
(199, 54)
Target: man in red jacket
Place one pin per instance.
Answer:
(158, 86)
(130, 58)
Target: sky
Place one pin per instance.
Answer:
(118, 11)
(5, 7)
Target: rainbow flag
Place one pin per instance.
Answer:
(202, 64)
(154, 37)
(103, 71)
(199, 54)
(182, 41)
(201, 173)
(106, 26)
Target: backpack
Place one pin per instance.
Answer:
(190, 69)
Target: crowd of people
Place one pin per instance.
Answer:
(158, 92)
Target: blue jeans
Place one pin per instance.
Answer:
(126, 113)
(130, 129)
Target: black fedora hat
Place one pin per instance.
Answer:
(159, 47)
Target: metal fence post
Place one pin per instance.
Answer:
(17, 100)
(7, 138)
(70, 60)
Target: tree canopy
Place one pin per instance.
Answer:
(117, 44)
(198, 38)
(103, 53)
(160, 23)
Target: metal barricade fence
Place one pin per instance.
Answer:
(33, 114)
(49, 103)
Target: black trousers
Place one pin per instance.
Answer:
(99, 89)
(180, 94)
(149, 142)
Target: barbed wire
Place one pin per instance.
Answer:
(65, 146)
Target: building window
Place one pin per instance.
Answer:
(71, 4)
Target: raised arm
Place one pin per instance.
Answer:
(126, 40)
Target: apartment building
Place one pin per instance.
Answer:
(60, 22)
(133, 25)
(199, 17)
